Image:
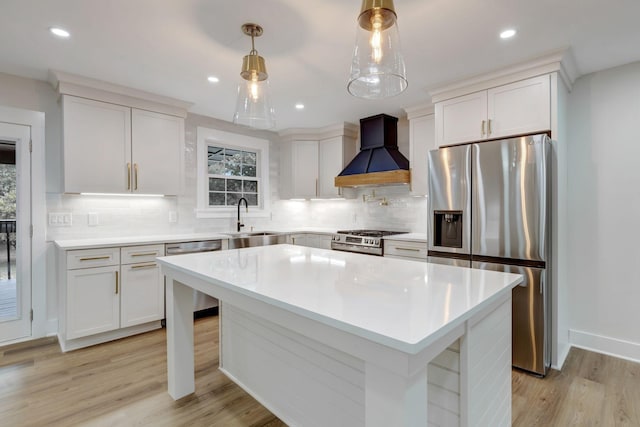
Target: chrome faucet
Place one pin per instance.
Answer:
(246, 204)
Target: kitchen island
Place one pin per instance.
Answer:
(324, 337)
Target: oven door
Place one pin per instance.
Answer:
(347, 247)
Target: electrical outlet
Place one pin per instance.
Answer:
(93, 219)
(173, 216)
(60, 219)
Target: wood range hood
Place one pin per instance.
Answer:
(379, 161)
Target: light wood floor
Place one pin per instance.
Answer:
(123, 383)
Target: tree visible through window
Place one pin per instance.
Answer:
(7, 191)
(232, 174)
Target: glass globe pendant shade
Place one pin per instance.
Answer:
(253, 105)
(377, 68)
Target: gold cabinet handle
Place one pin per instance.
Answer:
(488, 127)
(152, 265)
(95, 258)
(316, 187)
(407, 249)
(128, 176)
(145, 254)
(117, 283)
(482, 128)
(135, 174)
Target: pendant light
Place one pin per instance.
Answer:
(253, 107)
(377, 69)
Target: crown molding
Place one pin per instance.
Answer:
(419, 110)
(347, 129)
(85, 87)
(559, 61)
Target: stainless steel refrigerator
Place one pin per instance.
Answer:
(489, 209)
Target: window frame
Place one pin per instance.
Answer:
(207, 137)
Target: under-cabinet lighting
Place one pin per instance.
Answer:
(122, 194)
(60, 32)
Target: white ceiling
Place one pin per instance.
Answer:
(169, 47)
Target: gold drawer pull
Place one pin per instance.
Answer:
(135, 168)
(407, 249)
(128, 176)
(145, 254)
(95, 258)
(116, 283)
(144, 266)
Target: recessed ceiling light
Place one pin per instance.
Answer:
(59, 32)
(300, 106)
(507, 34)
(213, 79)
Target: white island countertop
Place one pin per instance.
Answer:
(401, 304)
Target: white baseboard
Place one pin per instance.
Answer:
(611, 346)
(562, 356)
(51, 327)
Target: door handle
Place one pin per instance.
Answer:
(488, 127)
(482, 128)
(152, 265)
(145, 254)
(128, 176)
(135, 170)
(117, 274)
(95, 258)
(400, 248)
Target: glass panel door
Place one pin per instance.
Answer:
(15, 240)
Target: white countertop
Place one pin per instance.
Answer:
(136, 240)
(97, 242)
(402, 304)
(408, 237)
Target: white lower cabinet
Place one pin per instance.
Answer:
(93, 301)
(405, 249)
(109, 293)
(142, 296)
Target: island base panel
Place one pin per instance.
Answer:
(304, 382)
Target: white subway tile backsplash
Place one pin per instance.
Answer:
(125, 216)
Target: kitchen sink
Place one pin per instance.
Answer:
(250, 240)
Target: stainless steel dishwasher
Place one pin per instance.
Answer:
(203, 304)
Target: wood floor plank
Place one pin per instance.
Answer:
(124, 383)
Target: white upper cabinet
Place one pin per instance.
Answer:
(97, 146)
(156, 152)
(118, 139)
(311, 159)
(333, 155)
(110, 148)
(461, 119)
(520, 107)
(512, 109)
(422, 139)
(305, 169)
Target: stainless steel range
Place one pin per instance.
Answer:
(361, 241)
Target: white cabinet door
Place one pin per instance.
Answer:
(142, 298)
(422, 139)
(461, 119)
(334, 154)
(305, 169)
(520, 107)
(157, 144)
(97, 146)
(93, 301)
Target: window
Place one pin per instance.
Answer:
(231, 166)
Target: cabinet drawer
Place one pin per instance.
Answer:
(405, 249)
(86, 258)
(146, 253)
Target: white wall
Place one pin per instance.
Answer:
(604, 212)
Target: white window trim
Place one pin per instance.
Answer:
(207, 136)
